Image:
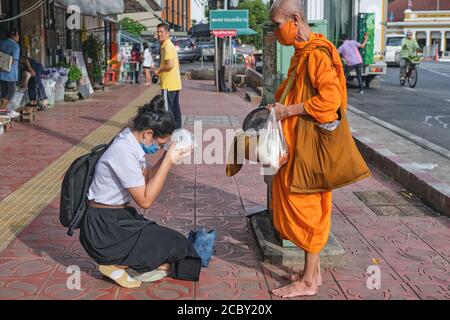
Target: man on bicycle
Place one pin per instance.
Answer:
(410, 47)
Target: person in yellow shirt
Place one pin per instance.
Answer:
(169, 73)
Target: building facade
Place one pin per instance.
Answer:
(430, 28)
(177, 13)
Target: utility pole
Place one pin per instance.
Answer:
(220, 63)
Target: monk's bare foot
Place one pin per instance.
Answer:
(293, 276)
(296, 289)
(299, 276)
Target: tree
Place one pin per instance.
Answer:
(132, 26)
(258, 14)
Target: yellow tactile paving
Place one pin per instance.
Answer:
(22, 206)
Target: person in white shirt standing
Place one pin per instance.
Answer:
(148, 64)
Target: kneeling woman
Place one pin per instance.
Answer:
(113, 233)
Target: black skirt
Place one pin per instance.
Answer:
(124, 237)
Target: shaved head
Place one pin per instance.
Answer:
(288, 8)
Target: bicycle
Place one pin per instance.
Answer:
(411, 72)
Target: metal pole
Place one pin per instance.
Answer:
(178, 13)
(105, 22)
(230, 76)
(173, 15)
(167, 11)
(182, 16)
(216, 63)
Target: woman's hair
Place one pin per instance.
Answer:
(153, 116)
(145, 45)
(12, 33)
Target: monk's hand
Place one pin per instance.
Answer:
(281, 111)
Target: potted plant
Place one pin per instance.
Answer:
(74, 76)
(93, 50)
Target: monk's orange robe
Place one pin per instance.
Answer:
(305, 219)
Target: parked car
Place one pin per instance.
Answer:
(186, 49)
(155, 48)
(206, 48)
(393, 48)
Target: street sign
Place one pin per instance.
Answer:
(224, 33)
(228, 19)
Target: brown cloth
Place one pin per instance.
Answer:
(324, 160)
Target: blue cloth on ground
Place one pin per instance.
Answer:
(203, 243)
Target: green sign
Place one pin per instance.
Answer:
(228, 19)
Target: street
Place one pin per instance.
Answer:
(423, 111)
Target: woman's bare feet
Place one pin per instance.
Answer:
(296, 289)
(164, 267)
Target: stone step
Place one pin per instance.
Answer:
(253, 96)
(260, 91)
(284, 253)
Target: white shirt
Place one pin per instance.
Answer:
(148, 60)
(118, 169)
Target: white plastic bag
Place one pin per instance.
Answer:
(184, 139)
(272, 148)
(50, 90)
(16, 101)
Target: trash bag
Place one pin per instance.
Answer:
(272, 148)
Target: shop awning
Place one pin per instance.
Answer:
(94, 7)
(111, 7)
(132, 6)
(246, 32)
(126, 37)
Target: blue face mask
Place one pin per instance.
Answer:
(153, 148)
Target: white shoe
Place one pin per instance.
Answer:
(152, 276)
(13, 114)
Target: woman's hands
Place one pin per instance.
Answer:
(176, 155)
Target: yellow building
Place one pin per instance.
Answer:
(430, 28)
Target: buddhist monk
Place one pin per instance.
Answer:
(304, 219)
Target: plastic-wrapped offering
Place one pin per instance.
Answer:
(272, 148)
(184, 139)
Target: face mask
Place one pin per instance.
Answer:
(286, 33)
(153, 148)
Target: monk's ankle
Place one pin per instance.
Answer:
(308, 283)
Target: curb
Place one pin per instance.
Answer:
(429, 189)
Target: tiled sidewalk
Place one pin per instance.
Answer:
(413, 252)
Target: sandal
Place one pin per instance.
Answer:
(119, 276)
(152, 276)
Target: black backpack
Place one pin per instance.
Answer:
(75, 187)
